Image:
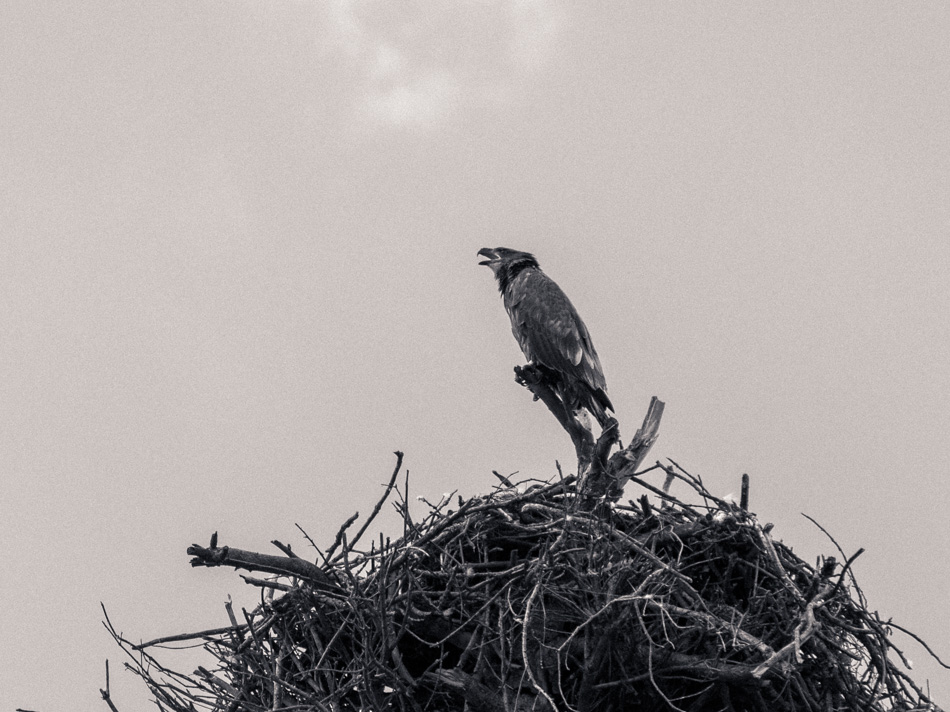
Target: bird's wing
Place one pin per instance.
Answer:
(549, 330)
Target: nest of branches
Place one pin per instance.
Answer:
(523, 599)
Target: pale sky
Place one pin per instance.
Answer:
(238, 270)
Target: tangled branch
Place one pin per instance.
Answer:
(524, 599)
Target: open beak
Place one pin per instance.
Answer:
(489, 253)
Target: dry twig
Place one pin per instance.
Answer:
(523, 600)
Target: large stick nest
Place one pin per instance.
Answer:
(523, 600)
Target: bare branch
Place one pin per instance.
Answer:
(241, 559)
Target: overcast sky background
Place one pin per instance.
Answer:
(238, 270)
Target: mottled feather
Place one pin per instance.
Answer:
(549, 330)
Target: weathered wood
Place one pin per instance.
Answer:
(624, 464)
(534, 380)
(252, 561)
(597, 476)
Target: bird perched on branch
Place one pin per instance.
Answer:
(549, 331)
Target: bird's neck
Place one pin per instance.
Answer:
(506, 276)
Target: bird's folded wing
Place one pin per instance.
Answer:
(549, 330)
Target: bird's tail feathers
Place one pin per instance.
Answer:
(598, 403)
(578, 394)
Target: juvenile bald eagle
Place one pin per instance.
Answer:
(549, 330)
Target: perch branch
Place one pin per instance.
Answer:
(533, 379)
(596, 477)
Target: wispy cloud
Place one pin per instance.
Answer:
(421, 63)
(535, 27)
(422, 100)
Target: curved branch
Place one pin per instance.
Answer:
(532, 378)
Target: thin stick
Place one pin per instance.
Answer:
(107, 693)
(210, 633)
(379, 504)
(339, 537)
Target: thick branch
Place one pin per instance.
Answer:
(624, 464)
(252, 561)
(533, 379)
(596, 478)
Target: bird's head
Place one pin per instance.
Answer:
(504, 262)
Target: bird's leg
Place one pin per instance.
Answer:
(583, 418)
(536, 381)
(542, 383)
